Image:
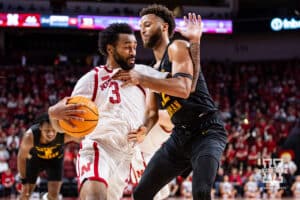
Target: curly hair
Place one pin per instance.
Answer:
(110, 35)
(162, 12)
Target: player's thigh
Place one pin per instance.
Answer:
(96, 163)
(55, 170)
(93, 190)
(32, 170)
(205, 155)
(93, 163)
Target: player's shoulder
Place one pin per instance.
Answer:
(179, 44)
(28, 136)
(28, 132)
(96, 71)
(101, 69)
(178, 48)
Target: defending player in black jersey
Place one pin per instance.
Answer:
(42, 148)
(199, 137)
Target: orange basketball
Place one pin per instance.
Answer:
(90, 116)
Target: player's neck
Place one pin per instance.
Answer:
(44, 141)
(160, 49)
(111, 64)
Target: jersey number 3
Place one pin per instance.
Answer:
(115, 94)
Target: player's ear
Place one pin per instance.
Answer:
(109, 49)
(165, 27)
(40, 127)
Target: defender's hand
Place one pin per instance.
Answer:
(130, 77)
(193, 28)
(137, 136)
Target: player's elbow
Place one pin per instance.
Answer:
(184, 92)
(185, 88)
(182, 95)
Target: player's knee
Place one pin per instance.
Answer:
(93, 190)
(94, 195)
(202, 192)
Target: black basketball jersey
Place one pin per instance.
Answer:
(52, 150)
(181, 110)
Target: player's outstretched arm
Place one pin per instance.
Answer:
(178, 85)
(193, 32)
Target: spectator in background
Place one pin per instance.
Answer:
(292, 143)
(296, 188)
(287, 169)
(8, 182)
(13, 142)
(69, 164)
(270, 143)
(265, 153)
(11, 103)
(236, 180)
(251, 189)
(273, 189)
(253, 156)
(247, 173)
(186, 188)
(259, 143)
(230, 156)
(3, 166)
(242, 155)
(174, 187)
(219, 179)
(69, 187)
(12, 162)
(257, 176)
(4, 154)
(227, 189)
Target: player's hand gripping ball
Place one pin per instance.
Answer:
(91, 116)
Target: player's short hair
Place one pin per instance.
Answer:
(42, 118)
(162, 12)
(110, 35)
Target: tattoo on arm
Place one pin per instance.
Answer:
(195, 54)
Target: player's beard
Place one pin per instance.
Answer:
(123, 62)
(154, 39)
